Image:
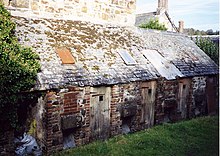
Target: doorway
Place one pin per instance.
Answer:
(100, 112)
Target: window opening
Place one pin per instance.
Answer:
(101, 98)
(128, 59)
(184, 86)
(149, 91)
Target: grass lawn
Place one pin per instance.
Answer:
(196, 137)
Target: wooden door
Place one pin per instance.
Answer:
(211, 93)
(100, 112)
(183, 97)
(148, 90)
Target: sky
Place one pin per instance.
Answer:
(197, 14)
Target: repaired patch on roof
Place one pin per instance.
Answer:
(163, 66)
(128, 59)
(65, 55)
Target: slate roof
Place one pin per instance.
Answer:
(96, 48)
(142, 18)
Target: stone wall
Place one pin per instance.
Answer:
(116, 11)
(166, 101)
(67, 117)
(128, 108)
(185, 98)
(199, 101)
(69, 113)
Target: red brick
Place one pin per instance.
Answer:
(70, 95)
(66, 101)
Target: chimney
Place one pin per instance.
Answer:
(163, 4)
(181, 26)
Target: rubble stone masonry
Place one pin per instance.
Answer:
(114, 11)
(68, 113)
(67, 119)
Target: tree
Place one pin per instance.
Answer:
(18, 70)
(210, 32)
(209, 47)
(153, 24)
(191, 31)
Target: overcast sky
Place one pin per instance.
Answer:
(197, 14)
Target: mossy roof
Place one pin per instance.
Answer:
(96, 48)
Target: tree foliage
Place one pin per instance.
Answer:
(209, 47)
(18, 69)
(191, 31)
(153, 24)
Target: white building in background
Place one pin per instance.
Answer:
(162, 15)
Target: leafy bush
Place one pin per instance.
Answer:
(153, 24)
(18, 70)
(209, 47)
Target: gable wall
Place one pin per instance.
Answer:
(164, 20)
(143, 18)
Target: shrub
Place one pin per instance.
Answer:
(153, 24)
(209, 47)
(18, 70)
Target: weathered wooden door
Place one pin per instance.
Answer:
(100, 112)
(211, 92)
(183, 97)
(148, 90)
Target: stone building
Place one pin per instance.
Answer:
(114, 11)
(99, 80)
(162, 15)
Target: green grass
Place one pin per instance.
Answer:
(197, 137)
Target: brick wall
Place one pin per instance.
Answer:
(52, 123)
(118, 11)
(68, 110)
(76, 101)
(67, 113)
(116, 98)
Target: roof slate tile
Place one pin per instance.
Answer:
(95, 49)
